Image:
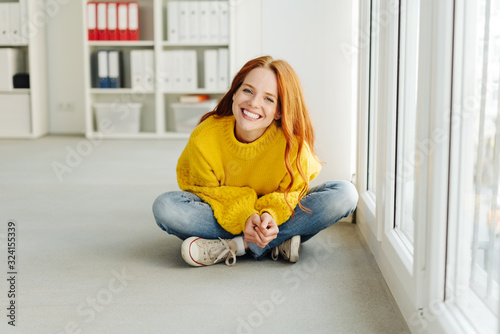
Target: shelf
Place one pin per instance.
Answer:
(140, 135)
(194, 44)
(119, 91)
(24, 111)
(157, 117)
(135, 91)
(16, 91)
(14, 45)
(20, 136)
(121, 43)
(196, 92)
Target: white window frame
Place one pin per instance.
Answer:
(407, 152)
(463, 91)
(376, 222)
(434, 110)
(417, 281)
(366, 205)
(373, 73)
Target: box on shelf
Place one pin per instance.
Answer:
(187, 115)
(118, 117)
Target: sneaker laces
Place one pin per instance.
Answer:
(223, 251)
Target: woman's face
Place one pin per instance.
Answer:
(255, 104)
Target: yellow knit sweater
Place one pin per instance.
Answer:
(239, 179)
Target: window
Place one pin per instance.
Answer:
(371, 167)
(473, 262)
(383, 19)
(407, 151)
(431, 126)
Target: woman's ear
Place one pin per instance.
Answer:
(277, 116)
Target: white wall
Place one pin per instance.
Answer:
(309, 35)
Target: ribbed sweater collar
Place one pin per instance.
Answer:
(247, 150)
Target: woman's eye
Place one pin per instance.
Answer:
(246, 90)
(269, 99)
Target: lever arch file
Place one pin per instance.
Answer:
(172, 21)
(136, 69)
(204, 25)
(122, 21)
(133, 21)
(211, 69)
(4, 23)
(92, 21)
(224, 22)
(194, 21)
(184, 31)
(214, 21)
(112, 21)
(102, 69)
(114, 69)
(223, 69)
(148, 76)
(189, 70)
(15, 23)
(102, 24)
(11, 15)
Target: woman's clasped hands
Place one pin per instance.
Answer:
(261, 230)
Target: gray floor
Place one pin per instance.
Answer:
(90, 258)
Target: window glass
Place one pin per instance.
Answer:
(473, 263)
(408, 151)
(372, 105)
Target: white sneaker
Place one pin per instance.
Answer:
(290, 249)
(205, 252)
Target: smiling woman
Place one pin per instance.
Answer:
(245, 174)
(254, 104)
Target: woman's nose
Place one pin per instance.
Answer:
(254, 102)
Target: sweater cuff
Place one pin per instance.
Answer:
(244, 214)
(279, 219)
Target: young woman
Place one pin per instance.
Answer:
(245, 174)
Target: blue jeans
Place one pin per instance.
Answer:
(184, 215)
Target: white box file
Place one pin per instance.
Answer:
(187, 115)
(118, 117)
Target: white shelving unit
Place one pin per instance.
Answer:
(156, 113)
(24, 112)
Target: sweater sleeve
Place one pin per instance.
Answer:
(231, 205)
(274, 203)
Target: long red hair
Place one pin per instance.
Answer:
(294, 121)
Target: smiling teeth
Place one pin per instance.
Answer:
(251, 115)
